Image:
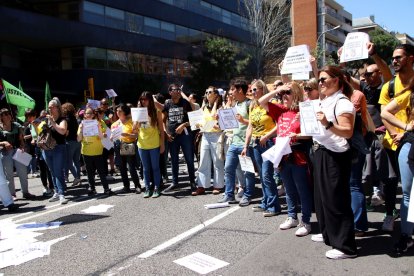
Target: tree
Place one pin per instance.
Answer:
(270, 30)
(220, 61)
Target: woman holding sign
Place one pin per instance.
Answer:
(294, 168)
(90, 133)
(150, 144)
(208, 149)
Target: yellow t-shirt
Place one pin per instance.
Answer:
(148, 136)
(209, 118)
(127, 127)
(400, 115)
(92, 145)
(262, 123)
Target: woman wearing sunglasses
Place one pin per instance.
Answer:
(259, 136)
(294, 167)
(208, 148)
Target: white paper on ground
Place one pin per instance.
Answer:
(246, 164)
(101, 208)
(40, 226)
(410, 216)
(201, 263)
(111, 93)
(275, 153)
(22, 157)
(216, 205)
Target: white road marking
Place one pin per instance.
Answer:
(186, 234)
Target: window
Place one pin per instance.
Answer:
(168, 66)
(95, 58)
(181, 3)
(153, 65)
(171, 2)
(181, 34)
(167, 30)
(134, 23)
(152, 27)
(118, 60)
(115, 18)
(226, 17)
(94, 13)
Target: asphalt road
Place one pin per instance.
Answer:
(121, 241)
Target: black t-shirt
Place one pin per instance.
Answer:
(72, 128)
(372, 94)
(60, 139)
(176, 114)
(12, 136)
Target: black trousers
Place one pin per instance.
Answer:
(332, 173)
(92, 163)
(391, 184)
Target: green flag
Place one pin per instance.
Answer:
(48, 96)
(18, 98)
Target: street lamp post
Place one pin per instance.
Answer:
(323, 43)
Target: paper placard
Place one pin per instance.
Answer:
(309, 125)
(139, 114)
(116, 133)
(201, 263)
(410, 216)
(106, 141)
(22, 157)
(246, 164)
(196, 119)
(227, 118)
(111, 93)
(297, 60)
(300, 76)
(275, 153)
(94, 103)
(90, 128)
(355, 47)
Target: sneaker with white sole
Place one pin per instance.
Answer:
(63, 200)
(388, 225)
(304, 230)
(289, 223)
(54, 198)
(335, 254)
(377, 200)
(76, 182)
(317, 238)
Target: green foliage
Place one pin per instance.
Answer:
(220, 61)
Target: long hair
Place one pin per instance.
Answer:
(68, 110)
(335, 72)
(152, 110)
(297, 95)
(261, 85)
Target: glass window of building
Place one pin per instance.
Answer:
(171, 2)
(194, 36)
(93, 13)
(134, 23)
(95, 58)
(168, 66)
(152, 27)
(226, 17)
(181, 3)
(118, 60)
(167, 30)
(181, 34)
(153, 65)
(114, 18)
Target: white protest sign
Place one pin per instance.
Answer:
(139, 114)
(196, 119)
(246, 164)
(106, 141)
(355, 47)
(300, 76)
(22, 157)
(111, 93)
(297, 60)
(90, 128)
(116, 133)
(94, 103)
(201, 263)
(309, 125)
(227, 118)
(275, 153)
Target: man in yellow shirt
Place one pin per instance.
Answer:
(402, 61)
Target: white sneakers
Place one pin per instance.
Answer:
(61, 198)
(289, 223)
(335, 254)
(317, 238)
(377, 200)
(304, 229)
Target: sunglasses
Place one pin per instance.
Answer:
(286, 92)
(322, 80)
(175, 89)
(369, 74)
(307, 88)
(209, 92)
(397, 58)
(278, 84)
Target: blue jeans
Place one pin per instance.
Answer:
(231, 163)
(5, 196)
(357, 195)
(150, 159)
(55, 160)
(73, 153)
(21, 170)
(407, 172)
(297, 187)
(186, 143)
(270, 200)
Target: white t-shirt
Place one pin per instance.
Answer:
(330, 140)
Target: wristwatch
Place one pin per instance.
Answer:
(330, 124)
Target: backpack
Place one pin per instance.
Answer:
(45, 140)
(391, 88)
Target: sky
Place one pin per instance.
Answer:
(392, 15)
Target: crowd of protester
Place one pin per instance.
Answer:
(365, 141)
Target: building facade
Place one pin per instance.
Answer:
(67, 42)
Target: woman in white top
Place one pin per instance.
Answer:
(332, 165)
